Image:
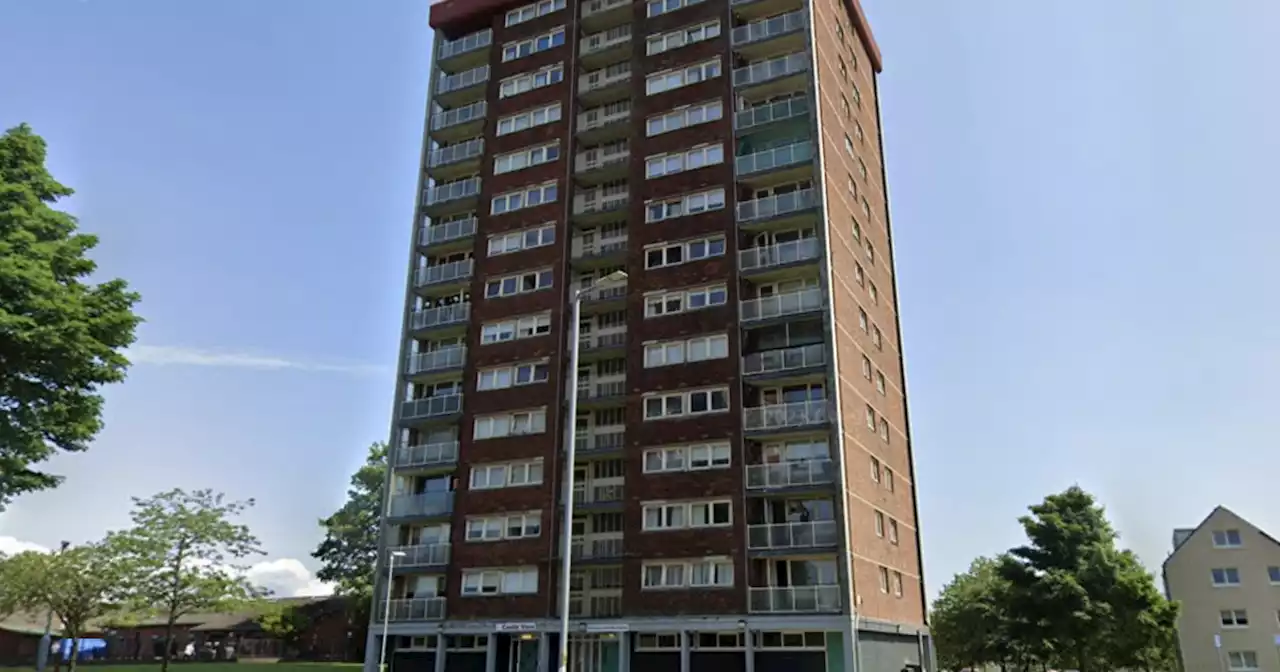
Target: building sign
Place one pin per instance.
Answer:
(607, 627)
(516, 627)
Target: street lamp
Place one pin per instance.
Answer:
(566, 542)
(46, 640)
(386, 610)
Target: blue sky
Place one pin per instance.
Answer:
(1086, 250)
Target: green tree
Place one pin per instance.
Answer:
(285, 622)
(184, 554)
(61, 337)
(349, 551)
(77, 584)
(969, 620)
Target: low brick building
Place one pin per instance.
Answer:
(20, 639)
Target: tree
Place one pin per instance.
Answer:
(285, 622)
(60, 337)
(76, 584)
(969, 620)
(182, 554)
(349, 551)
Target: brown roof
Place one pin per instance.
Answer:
(28, 624)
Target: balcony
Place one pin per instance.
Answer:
(602, 164)
(775, 257)
(597, 494)
(596, 605)
(760, 116)
(601, 14)
(462, 88)
(423, 505)
(786, 163)
(435, 361)
(782, 417)
(448, 232)
(451, 196)
(598, 252)
(600, 205)
(780, 211)
(795, 600)
(460, 123)
(605, 85)
(792, 536)
(785, 362)
(597, 395)
(607, 46)
(600, 442)
(465, 52)
(601, 124)
(427, 455)
(595, 346)
(427, 555)
(781, 305)
(457, 160)
(438, 318)
(595, 549)
(773, 77)
(409, 610)
(796, 474)
(431, 408)
(777, 35)
(444, 275)
(610, 298)
(757, 9)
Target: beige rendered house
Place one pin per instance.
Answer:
(1226, 574)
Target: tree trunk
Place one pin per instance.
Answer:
(168, 643)
(75, 648)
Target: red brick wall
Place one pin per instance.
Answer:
(17, 649)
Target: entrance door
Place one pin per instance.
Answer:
(523, 655)
(586, 654)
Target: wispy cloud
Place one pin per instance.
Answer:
(163, 355)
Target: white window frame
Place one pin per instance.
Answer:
(701, 156)
(522, 239)
(531, 118)
(488, 582)
(540, 276)
(518, 328)
(529, 81)
(500, 425)
(499, 527)
(696, 349)
(659, 304)
(686, 205)
(1226, 576)
(685, 251)
(532, 11)
(680, 117)
(525, 197)
(680, 515)
(499, 475)
(1242, 661)
(686, 399)
(526, 158)
(693, 457)
(660, 7)
(680, 574)
(1222, 539)
(523, 48)
(698, 32)
(1234, 619)
(685, 75)
(513, 375)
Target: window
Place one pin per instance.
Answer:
(678, 38)
(1273, 573)
(844, 107)
(689, 204)
(505, 526)
(875, 293)
(875, 470)
(515, 329)
(879, 517)
(669, 405)
(688, 300)
(519, 49)
(701, 573)
(862, 170)
(502, 377)
(684, 117)
(1234, 618)
(844, 70)
(526, 197)
(528, 119)
(858, 276)
(889, 483)
(866, 367)
(533, 11)
(857, 96)
(696, 349)
(684, 515)
(880, 382)
(893, 532)
(1226, 576)
(862, 320)
(524, 239)
(510, 424)
(507, 163)
(884, 430)
(870, 249)
(528, 81)
(857, 132)
(851, 186)
(687, 458)
(1226, 539)
(871, 418)
(657, 7)
(521, 283)
(897, 583)
(673, 254)
(646, 641)
(876, 338)
(515, 474)
(679, 77)
(1238, 661)
(678, 162)
(884, 579)
(857, 230)
(813, 641)
(500, 581)
(848, 146)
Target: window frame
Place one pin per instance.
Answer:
(685, 203)
(532, 114)
(536, 7)
(527, 154)
(686, 401)
(712, 154)
(683, 113)
(482, 574)
(684, 347)
(685, 297)
(548, 192)
(554, 74)
(510, 420)
(533, 43)
(686, 509)
(545, 233)
(719, 456)
(516, 326)
(508, 472)
(527, 520)
(661, 81)
(716, 566)
(513, 373)
(687, 251)
(675, 39)
(501, 283)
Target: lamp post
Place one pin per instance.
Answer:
(386, 609)
(566, 542)
(46, 640)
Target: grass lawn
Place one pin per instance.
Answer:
(246, 666)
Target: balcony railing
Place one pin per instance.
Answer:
(781, 416)
(456, 153)
(424, 555)
(604, 77)
(598, 248)
(784, 359)
(462, 45)
(602, 441)
(598, 205)
(595, 549)
(767, 114)
(780, 305)
(768, 29)
(427, 454)
(444, 273)
(424, 504)
(774, 68)
(603, 40)
(795, 599)
(777, 206)
(780, 254)
(609, 390)
(776, 157)
(597, 6)
(595, 606)
(451, 191)
(607, 294)
(601, 157)
(462, 115)
(604, 115)
(443, 233)
(415, 609)
(598, 494)
(603, 341)
(441, 316)
(438, 360)
(781, 536)
(430, 407)
(462, 80)
(798, 473)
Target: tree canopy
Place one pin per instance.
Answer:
(349, 551)
(61, 337)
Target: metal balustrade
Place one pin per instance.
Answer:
(797, 535)
(598, 6)
(598, 248)
(595, 549)
(451, 191)
(422, 555)
(415, 609)
(780, 254)
(456, 153)
(458, 313)
(778, 205)
(596, 391)
(462, 115)
(597, 494)
(601, 41)
(784, 359)
(781, 305)
(796, 473)
(423, 504)
(761, 115)
(774, 157)
(427, 454)
(462, 45)
(795, 599)
(444, 273)
(782, 416)
(429, 407)
(603, 341)
(438, 360)
(607, 294)
(462, 80)
(759, 31)
(774, 68)
(601, 441)
(448, 231)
